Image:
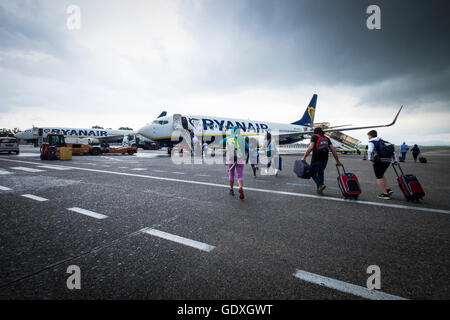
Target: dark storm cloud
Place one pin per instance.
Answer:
(283, 43)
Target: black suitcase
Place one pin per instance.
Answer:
(423, 160)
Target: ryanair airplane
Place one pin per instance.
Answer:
(208, 128)
(94, 135)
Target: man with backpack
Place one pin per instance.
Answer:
(320, 144)
(380, 153)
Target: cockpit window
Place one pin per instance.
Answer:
(161, 122)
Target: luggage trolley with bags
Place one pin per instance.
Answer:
(348, 183)
(409, 184)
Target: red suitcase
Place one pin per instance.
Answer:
(409, 184)
(348, 183)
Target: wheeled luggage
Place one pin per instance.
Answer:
(423, 160)
(348, 183)
(409, 184)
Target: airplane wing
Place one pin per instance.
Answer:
(300, 134)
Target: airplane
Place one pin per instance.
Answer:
(94, 136)
(207, 128)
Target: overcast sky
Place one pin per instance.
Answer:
(258, 59)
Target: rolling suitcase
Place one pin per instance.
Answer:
(423, 160)
(410, 186)
(348, 183)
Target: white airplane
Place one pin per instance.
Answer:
(92, 135)
(208, 128)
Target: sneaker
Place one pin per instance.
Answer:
(241, 194)
(384, 196)
(389, 191)
(231, 192)
(321, 188)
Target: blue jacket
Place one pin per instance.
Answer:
(404, 148)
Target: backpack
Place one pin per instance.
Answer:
(322, 144)
(385, 150)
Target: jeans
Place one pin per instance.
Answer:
(318, 169)
(403, 155)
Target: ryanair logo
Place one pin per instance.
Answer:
(311, 111)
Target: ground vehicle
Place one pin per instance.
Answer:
(123, 149)
(9, 144)
(136, 140)
(50, 148)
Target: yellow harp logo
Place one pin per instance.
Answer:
(311, 111)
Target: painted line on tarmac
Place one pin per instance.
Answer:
(27, 169)
(300, 184)
(178, 172)
(88, 213)
(262, 180)
(33, 197)
(345, 287)
(138, 169)
(287, 193)
(55, 167)
(5, 172)
(188, 242)
(5, 188)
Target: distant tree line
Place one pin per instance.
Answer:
(121, 128)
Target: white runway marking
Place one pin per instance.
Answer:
(178, 239)
(344, 286)
(295, 194)
(56, 167)
(5, 188)
(4, 172)
(138, 169)
(27, 169)
(30, 196)
(88, 213)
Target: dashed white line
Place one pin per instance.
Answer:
(138, 169)
(88, 213)
(188, 242)
(56, 167)
(27, 169)
(344, 286)
(33, 197)
(5, 188)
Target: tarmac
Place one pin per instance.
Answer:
(143, 227)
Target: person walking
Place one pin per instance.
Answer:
(404, 150)
(319, 146)
(415, 152)
(380, 154)
(235, 159)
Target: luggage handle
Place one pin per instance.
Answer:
(400, 168)
(343, 168)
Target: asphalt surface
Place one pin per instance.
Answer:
(259, 243)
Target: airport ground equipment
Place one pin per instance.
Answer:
(348, 183)
(409, 184)
(130, 150)
(50, 149)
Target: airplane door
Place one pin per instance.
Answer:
(177, 122)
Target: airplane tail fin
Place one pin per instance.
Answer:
(163, 114)
(308, 116)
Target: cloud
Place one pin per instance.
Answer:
(232, 58)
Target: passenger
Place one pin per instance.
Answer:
(235, 158)
(272, 154)
(404, 149)
(320, 144)
(415, 152)
(381, 156)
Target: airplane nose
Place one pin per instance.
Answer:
(146, 131)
